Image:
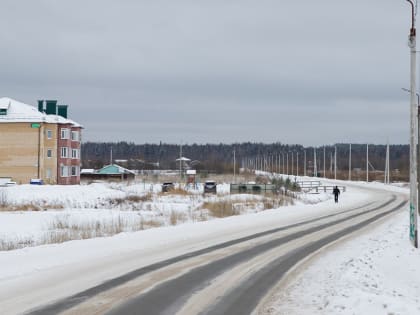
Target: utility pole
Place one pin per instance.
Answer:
(315, 166)
(335, 162)
(180, 164)
(272, 164)
(267, 163)
(264, 168)
(292, 163)
(413, 132)
(287, 159)
(282, 165)
(367, 163)
(304, 163)
(234, 166)
(331, 162)
(386, 179)
(297, 163)
(325, 174)
(350, 162)
(110, 157)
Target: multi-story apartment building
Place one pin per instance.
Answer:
(39, 143)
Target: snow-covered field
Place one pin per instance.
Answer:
(373, 273)
(53, 214)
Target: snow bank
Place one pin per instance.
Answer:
(374, 273)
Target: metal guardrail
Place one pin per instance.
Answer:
(309, 183)
(323, 188)
(315, 186)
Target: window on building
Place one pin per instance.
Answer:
(3, 111)
(64, 152)
(74, 170)
(74, 153)
(64, 171)
(64, 133)
(48, 173)
(49, 153)
(49, 134)
(75, 136)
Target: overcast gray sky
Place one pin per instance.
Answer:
(210, 71)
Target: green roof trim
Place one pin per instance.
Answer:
(114, 169)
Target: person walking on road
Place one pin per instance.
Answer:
(336, 192)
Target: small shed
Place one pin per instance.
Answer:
(110, 172)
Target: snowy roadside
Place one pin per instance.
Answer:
(357, 276)
(191, 235)
(53, 214)
(376, 272)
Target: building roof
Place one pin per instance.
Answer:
(4, 105)
(20, 112)
(182, 158)
(114, 169)
(87, 171)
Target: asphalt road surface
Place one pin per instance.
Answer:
(232, 277)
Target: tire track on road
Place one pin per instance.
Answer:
(197, 279)
(74, 300)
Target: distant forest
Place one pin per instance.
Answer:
(218, 158)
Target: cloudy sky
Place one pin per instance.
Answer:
(210, 71)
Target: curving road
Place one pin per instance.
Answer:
(232, 277)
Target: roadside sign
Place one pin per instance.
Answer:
(35, 125)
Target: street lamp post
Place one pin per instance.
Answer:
(335, 162)
(234, 166)
(413, 132)
(367, 163)
(350, 162)
(418, 148)
(292, 162)
(272, 164)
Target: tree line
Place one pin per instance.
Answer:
(218, 158)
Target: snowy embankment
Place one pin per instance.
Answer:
(376, 272)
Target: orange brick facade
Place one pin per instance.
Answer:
(68, 153)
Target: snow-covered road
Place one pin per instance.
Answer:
(33, 277)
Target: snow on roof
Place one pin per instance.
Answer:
(4, 105)
(183, 159)
(87, 171)
(21, 112)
